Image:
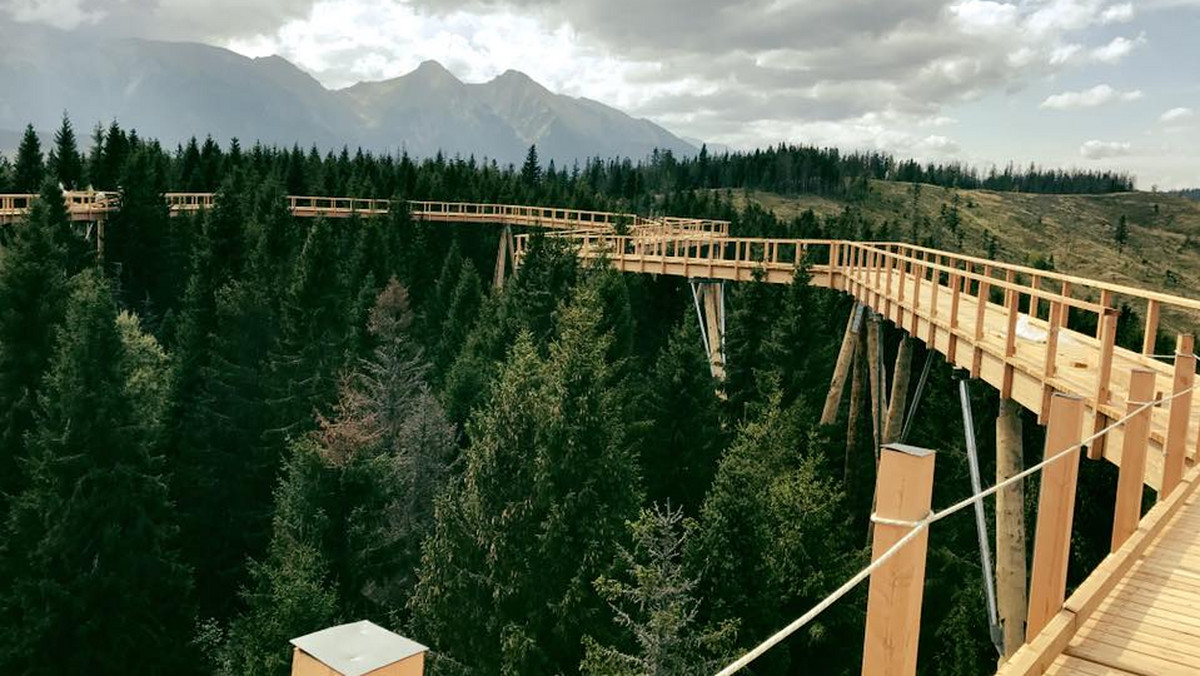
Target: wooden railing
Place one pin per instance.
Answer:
(1018, 328)
(187, 202)
(15, 206)
(337, 207)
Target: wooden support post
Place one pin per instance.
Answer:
(873, 371)
(904, 488)
(1010, 527)
(1128, 510)
(1056, 513)
(714, 306)
(842, 367)
(502, 256)
(858, 385)
(899, 400)
(1180, 412)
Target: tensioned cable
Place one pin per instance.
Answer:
(918, 527)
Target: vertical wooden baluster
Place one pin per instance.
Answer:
(1131, 475)
(1108, 338)
(918, 275)
(955, 294)
(904, 489)
(1056, 513)
(1150, 335)
(1106, 299)
(1180, 414)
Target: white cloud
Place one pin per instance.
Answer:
(1117, 49)
(984, 16)
(1177, 115)
(65, 14)
(1117, 13)
(1099, 150)
(1064, 53)
(1089, 98)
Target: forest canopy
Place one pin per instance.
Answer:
(236, 427)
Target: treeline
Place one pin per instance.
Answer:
(784, 169)
(238, 427)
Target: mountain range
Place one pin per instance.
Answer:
(173, 91)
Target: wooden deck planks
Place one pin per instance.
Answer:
(1150, 622)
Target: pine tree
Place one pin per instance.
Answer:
(33, 295)
(753, 307)
(460, 317)
(65, 164)
(90, 539)
(531, 171)
(773, 536)
(682, 442)
(548, 481)
(29, 170)
(1121, 233)
(656, 604)
(291, 593)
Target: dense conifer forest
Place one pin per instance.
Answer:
(238, 427)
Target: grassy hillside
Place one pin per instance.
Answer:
(1076, 232)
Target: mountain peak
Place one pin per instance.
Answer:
(432, 70)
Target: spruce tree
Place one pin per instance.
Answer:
(683, 440)
(33, 295)
(752, 308)
(354, 504)
(65, 164)
(548, 481)
(90, 539)
(29, 171)
(774, 537)
(653, 600)
(460, 316)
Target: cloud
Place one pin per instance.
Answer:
(1117, 13)
(1099, 150)
(1090, 98)
(867, 72)
(1177, 115)
(64, 14)
(160, 19)
(1117, 49)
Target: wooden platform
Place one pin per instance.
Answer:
(1139, 612)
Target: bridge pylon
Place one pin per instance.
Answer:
(708, 295)
(505, 254)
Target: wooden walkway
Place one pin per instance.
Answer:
(1139, 612)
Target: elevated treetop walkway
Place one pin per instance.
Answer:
(1007, 325)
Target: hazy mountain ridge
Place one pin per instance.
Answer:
(172, 91)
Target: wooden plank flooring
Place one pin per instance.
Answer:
(1150, 623)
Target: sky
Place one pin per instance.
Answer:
(1071, 83)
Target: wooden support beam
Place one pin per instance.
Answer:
(1128, 510)
(897, 406)
(858, 387)
(503, 253)
(904, 488)
(714, 306)
(842, 368)
(1056, 513)
(1010, 527)
(874, 359)
(1180, 412)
